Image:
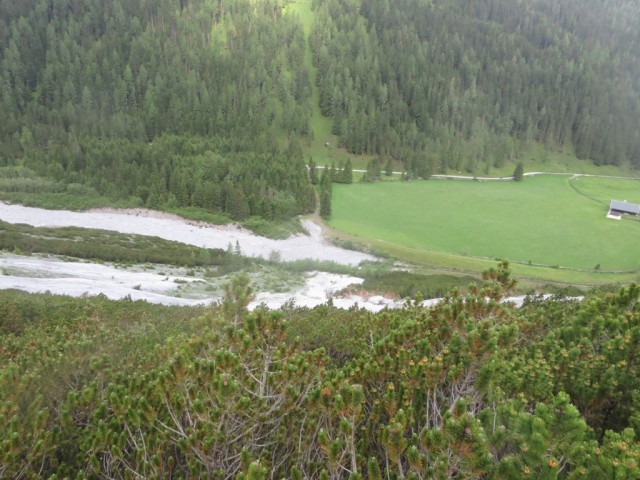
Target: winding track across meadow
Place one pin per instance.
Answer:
(527, 174)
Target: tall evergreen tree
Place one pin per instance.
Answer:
(325, 194)
(347, 172)
(518, 173)
(325, 203)
(313, 175)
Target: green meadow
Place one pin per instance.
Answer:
(553, 226)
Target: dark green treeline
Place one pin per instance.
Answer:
(204, 102)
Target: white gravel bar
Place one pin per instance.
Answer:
(172, 227)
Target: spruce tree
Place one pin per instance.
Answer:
(325, 203)
(347, 172)
(313, 176)
(238, 293)
(518, 173)
(388, 169)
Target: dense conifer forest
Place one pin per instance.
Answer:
(457, 84)
(209, 103)
(178, 103)
(471, 389)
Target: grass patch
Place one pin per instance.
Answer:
(67, 201)
(529, 276)
(538, 158)
(277, 231)
(603, 190)
(199, 215)
(542, 221)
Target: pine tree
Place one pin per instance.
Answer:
(518, 173)
(238, 293)
(238, 207)
(346, 175)
(326, 179)
(388, 169)
(313, 175)
(373, 170)
(325, 203)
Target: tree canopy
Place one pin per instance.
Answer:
(463, 83)
(178, 104)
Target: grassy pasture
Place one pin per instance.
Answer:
(550, 221)
(538, 158)
(602, 190)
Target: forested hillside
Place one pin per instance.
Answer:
(458, 84)
(173, 102)
(471, 389)
(208, 103)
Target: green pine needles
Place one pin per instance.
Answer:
(472, 388)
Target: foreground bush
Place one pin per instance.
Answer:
(469, 389)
